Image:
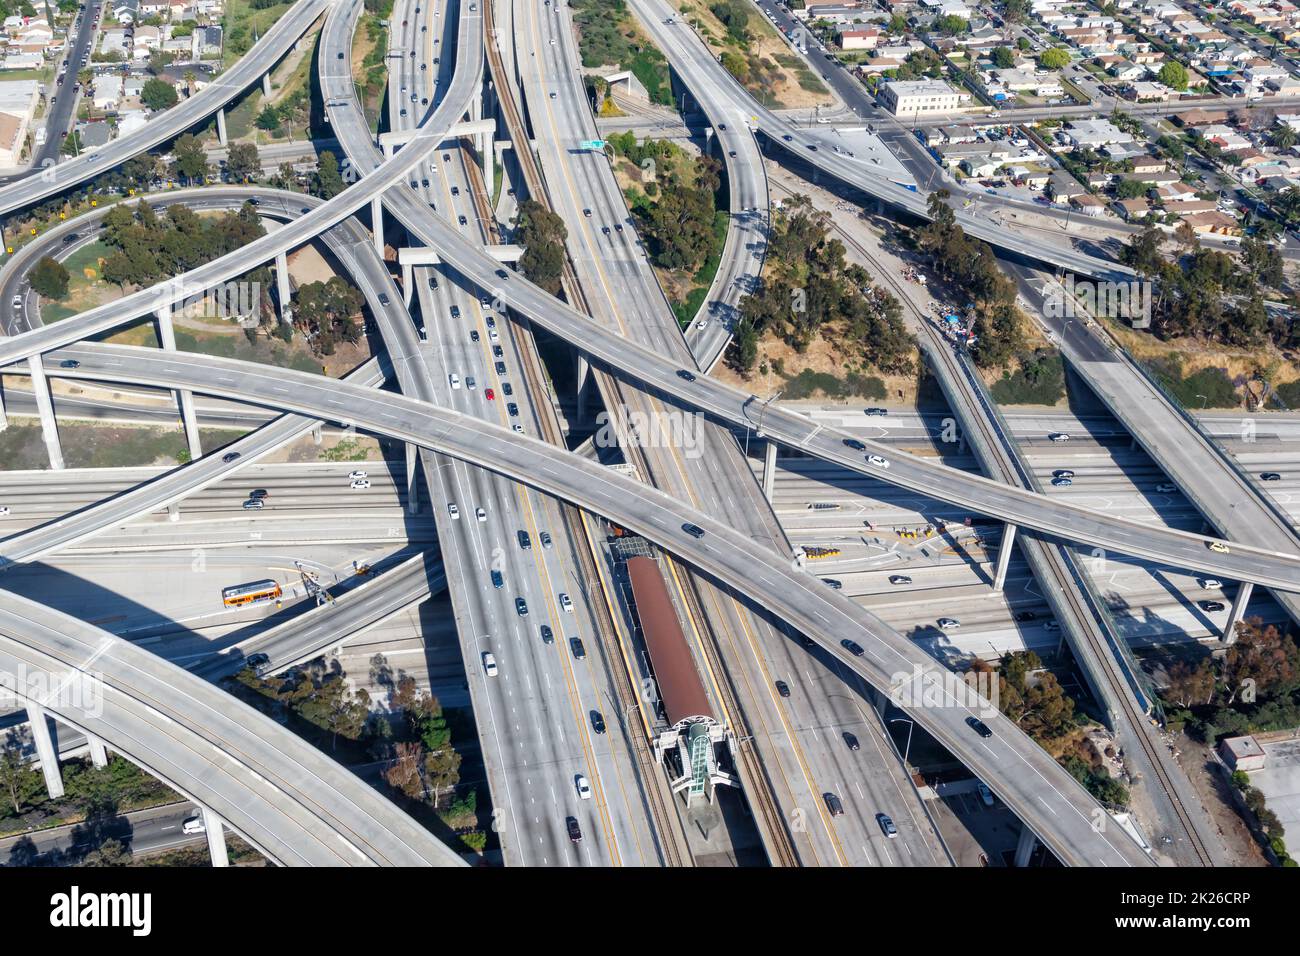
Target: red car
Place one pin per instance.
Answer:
(489, 394)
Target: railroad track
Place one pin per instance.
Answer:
(1069, 588)
(667, 824)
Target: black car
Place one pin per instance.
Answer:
(525, 542)
(455, 190)
(833, 584)
(69, 363)
(497, 580)
(813, 147)
(899, 579)
(851, 741)
(455, 312)
(521, 607)
(513, 409)
(876, 412)
(977, 725)
(1210, 605)
(685, 375)
(229, 456)
(605, 230)
(258, 662)
(501, 369)
(788, 138)
(853, 647)
(473, 335)
(383, 298)
(461, 219)
(1025, 615)
(70, 238)
(722, 127)
(833, 804)
(854, 444)
(783, 688)
(1270, 476)
(731, 153)
(433, 282)
(340, 54)
(548, 636)
(507, 389)
(497, 352)
(1063, 473)
(545, 537)
(597, 722)
(575, 831)
(575, 645)
(694, 530)
(259, 493)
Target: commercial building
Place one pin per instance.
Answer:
(908, 98)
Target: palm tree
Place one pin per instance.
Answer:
(190, 79)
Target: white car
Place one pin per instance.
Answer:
(1058, 436)
(454, 379)
(489, 665)
(4, 510)
(453, 511)
(878, 461)
(480, 514)
(194, 825)
(357, 475)
(584, 788)
(985, 793)
(948, 623)
(1167, 488)
(518, 428)
(493, 336)
(1211, 584)
(565, 602)
(361, 484)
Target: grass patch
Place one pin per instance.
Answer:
(1289, 393)
(1208, 388)
(348, 449)
(242, 23)
(1040, 380)
(809, 383)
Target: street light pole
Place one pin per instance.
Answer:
(907, 750)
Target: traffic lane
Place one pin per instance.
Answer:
(802, 601)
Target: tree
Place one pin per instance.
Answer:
(1173, 75)
(269, 119)
(72, 144)
(159, 60)
(1017, 11)
(243, 162)
(1191, 686)
(1003, 58)
(50, 278)
(158, 94)
(328, 181)
(542, 234)
(191, 161)
(1130, 189)
(1283, 138)
(1054, 58)
(950, 24)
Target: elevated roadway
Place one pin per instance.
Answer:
(1039, 791)
(288, 799)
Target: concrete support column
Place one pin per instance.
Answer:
(317, 434)
(475, 109)
(266, 85)
(1025, 848)
(173, 512)
(1004, 557)
(408, 282)
(583, 372)
(98, 752)
(377, 224)
(216, 838)
(184, 397)
(282, 290)
(412, 500)
(221, 127)
(1238, 611)
(4, 416)
(769, 470)
(45, 750)
(45, 407)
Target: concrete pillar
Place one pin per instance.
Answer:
(266, 85)
(583, 372)
(221, 127)
(1004, 557)
(317, 433)
(475, 109)
(282, 290)
(184, 397)
(173, 512)
(1238, 611)
(216, 838)
(377, 224)
(45, 750)
(489, 168)
(412, 499)
(1025, 848)
(4, 416)
(769, 470)
(98, 752)
(408, 282)
(45, 407)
